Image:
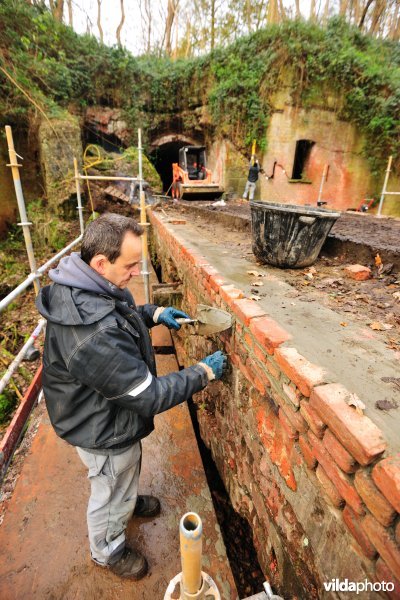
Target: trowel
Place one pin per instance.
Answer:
(209, 320)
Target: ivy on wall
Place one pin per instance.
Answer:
(229, 92)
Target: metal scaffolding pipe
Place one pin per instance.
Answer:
(193, 582)
(78, 197)
(15, 166)
(20, 356)
(190, 534)
(143, 222)
(106, 178)
(34, 276)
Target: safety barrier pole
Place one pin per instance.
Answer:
(144, 224)
(25, 224)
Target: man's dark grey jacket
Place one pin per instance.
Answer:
(99, 377)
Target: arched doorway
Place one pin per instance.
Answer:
(164, 151)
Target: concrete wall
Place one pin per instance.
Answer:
(301, 465)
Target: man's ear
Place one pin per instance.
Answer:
(99, 263)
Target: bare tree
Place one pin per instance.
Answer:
(99, 21)
(169, 23)
(70, 14)
(364, 13)
(121, 24)
(57, 9)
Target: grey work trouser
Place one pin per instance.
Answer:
(249, 189)
(114, 480)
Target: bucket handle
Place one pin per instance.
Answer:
(307, 220)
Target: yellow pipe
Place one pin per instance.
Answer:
(190, 533)
(253, 151)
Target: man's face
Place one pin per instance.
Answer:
(126, 266)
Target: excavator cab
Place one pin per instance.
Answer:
(191, 178)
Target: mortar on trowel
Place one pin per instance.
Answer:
(209, 320)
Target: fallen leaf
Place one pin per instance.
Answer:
(396, 296)
(376, 326)
(354, 400)
(378, 261)
(257, 283)
(343, 324)
(255, 298)
(254, 273)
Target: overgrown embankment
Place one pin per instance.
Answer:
(46, 67)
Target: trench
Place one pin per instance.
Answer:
(236, 531)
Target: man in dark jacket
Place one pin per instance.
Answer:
(100, 380)
(252, 179)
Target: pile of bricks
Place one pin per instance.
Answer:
(304, 466)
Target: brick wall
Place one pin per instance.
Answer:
(307, 470)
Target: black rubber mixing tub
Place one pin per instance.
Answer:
(288, 235)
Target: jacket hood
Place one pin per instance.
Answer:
(79, 295)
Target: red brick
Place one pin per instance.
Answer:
(383, 573)
(315, 423)
(260, 353)
(307, 452)
(287, 425)
(268, 333)
(216, 281)
(292, 393)
(386, 475)
(294, 417)
(272, 369)
(384, 543)
(303, 373)
(229, 293)
(358, 434)
(341, 481)
(246, 310)
(339, 454)
(328, 487)
(354, 525)
(208, 270)
(258, 377)
(248, 339)
(358, 272)
(374, 500)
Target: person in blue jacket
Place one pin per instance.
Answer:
(100, 381)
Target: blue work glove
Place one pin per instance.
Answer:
(169, 315)
(216, 362)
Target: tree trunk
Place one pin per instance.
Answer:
(364, 13)
(326, 12)
(70, 14)
(169, 22)
(313, 16)
(376, 16)
(57, 9)
(212, 43)
(99, 21)
(298, 14)
(343, 7)
(121, 24)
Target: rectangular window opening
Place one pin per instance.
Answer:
(301, 157)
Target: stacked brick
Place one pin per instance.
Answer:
(277, 417)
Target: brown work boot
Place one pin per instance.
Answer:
(131, 565)
(147, 506)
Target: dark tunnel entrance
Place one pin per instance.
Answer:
(108, 141)
(162, 158)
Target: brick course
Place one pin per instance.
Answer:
(386, 475)
(356, 432)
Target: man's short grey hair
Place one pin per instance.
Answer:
(105, 235)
